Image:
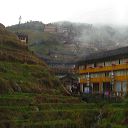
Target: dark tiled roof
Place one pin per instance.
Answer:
(63, 53)
(21, 34)
(56, 62)
(106, 55)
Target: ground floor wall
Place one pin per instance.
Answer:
(118, 87)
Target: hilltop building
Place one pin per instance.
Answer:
(63, 30)
(104, 72)
(23, 38)
(51, 28)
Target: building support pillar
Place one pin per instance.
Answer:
(100, 88)
(81, 88)
(127, 88)
(114, 88)
(92, 88)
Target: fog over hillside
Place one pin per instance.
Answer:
(104, 37)
(80, 38)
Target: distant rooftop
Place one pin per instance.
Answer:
(21, 34)
(63, 53)
(105, 55)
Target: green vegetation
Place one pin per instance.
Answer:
(48, 41)
(32, 97)
(20, 69)
(43, 110)
(114, 115)
(39, 41)
(25, 77)
(19, 110)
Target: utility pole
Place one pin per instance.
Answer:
(20, 18)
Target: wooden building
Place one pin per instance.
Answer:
(104, 72)
(50, 28)
(70, 82)
(22, 37)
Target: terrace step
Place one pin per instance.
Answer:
(48, 106)
(45, 124)
(26, 99)
(43, 111)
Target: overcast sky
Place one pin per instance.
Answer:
(87, 11)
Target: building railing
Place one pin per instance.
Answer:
(103, 69)
(104, 79)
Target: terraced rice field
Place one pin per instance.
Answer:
(31, 110)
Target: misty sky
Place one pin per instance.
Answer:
(87, 11)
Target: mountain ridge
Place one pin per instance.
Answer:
(79, 36)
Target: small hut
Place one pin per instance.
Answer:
(22, 37)
(70, 82)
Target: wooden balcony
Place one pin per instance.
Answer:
(96, 80)
(104, 79)
(104, 69)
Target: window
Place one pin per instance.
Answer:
(81, 67)
(82, 76)
(118, 86)
(86, 89)
(121, 61)
(100, 64)
(107, 63)
(94, 64)
(106, 74)
(94, 75)
(95, 87)
(124, 86)
(120, 73)
(90, 66)
(87, 75)
(117, 73)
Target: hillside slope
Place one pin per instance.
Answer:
(30, 95)
(20, 69)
